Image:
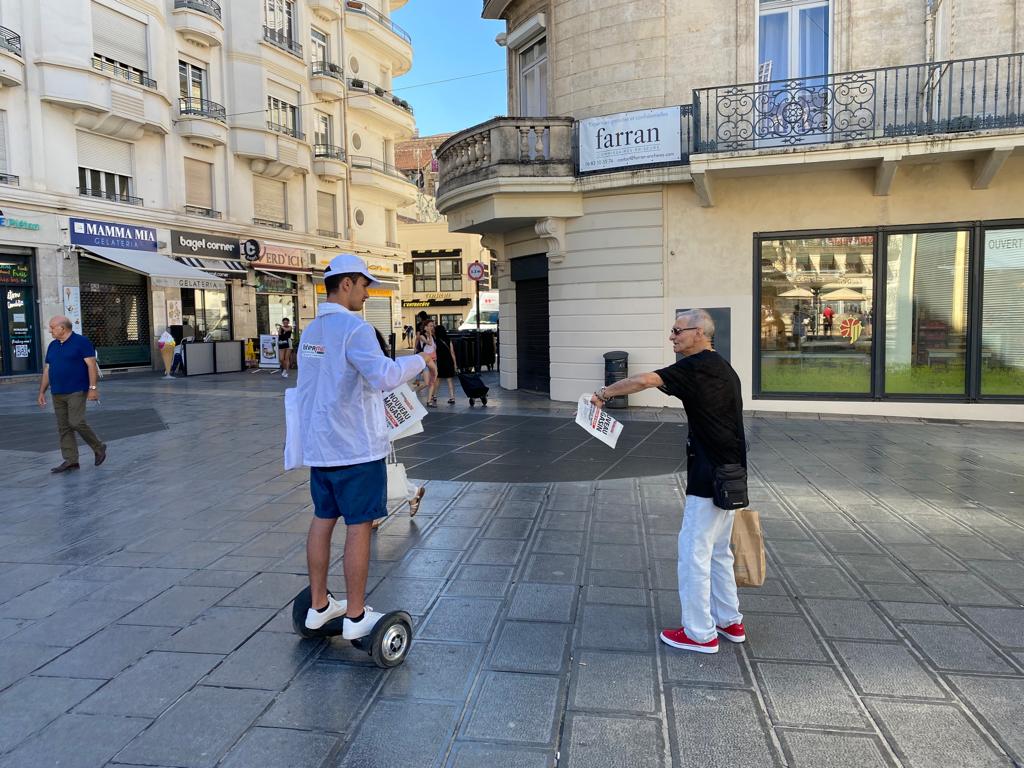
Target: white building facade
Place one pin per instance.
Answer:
(142, 142)
(841, 183)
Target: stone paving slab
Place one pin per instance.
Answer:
(890, 631)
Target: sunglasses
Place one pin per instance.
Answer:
(676, 331)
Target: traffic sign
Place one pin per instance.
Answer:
(475, 271)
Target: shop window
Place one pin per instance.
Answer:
(206, 315)
(451, 274)
(926, 313)
(451, 322)
(1002, 325)
(816, 327)
(424, 275)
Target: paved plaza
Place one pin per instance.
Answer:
(145, 605)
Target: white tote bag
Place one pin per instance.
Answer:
(292, 430)
(398, 482)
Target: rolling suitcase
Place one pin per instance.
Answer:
(474, 387)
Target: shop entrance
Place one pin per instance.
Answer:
(19, 353)
(533, 352)
(275, 300)
(115, 313)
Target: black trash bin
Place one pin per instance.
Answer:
(616, 367)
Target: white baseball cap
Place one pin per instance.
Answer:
(347, 264)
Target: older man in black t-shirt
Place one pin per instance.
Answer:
(710, 391)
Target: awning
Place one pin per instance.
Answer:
(213, 265)
(163, 271)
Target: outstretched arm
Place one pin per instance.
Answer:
(637, 383)
(381, 371)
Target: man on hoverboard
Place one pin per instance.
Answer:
(342, 372)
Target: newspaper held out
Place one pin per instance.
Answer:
(597, 422)
(403, 411)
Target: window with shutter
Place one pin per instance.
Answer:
(269, 199)
(104, 154)
(198, 183)
(326, 207)
(119, 37)
(3, 141)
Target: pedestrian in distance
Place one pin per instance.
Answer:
(342, 372)
(447, 365)
(426, 343)
(71, 374)
(710, 391)
(284, 345)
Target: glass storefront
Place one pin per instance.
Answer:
(206, 314)
(944, 321)
(276, 299)
(1002, 322)
(816, 329)
(19, 352)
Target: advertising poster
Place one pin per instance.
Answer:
(174, 312)
(646, 137)
(268, 351)
(159, 312)
(73, 307)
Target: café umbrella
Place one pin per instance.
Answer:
(843, 294)
(796, 293)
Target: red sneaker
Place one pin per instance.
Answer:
(733, 633)
(678, 638)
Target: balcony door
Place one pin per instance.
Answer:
(191, 87)
(793, 46)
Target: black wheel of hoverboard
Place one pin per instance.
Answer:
(387, 645)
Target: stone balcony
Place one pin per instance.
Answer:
(202, 122)
(391, 116)
(507, 173)
(12, 63)
(381, 182)
(327, 80)
(328, 10)
(199, 22)
(378, 30)
(270, 152)
(329, 162)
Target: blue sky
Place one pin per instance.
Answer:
(450, 40)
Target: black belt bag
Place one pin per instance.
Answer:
(730, 487)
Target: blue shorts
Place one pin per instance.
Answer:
(357, 493)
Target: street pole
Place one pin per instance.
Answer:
(478, 308)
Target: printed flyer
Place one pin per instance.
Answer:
(597, 422)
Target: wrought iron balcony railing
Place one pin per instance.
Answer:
(108, 195)
(272, 223)
(327, 69)
(330, 233)
(385, 21)
(136, 76)
(10, 178)
(278, 38)
(942, 97)
(197, 210)
(328, 151)
(287, 130)
(209, 7)
(202, 108)
(10, 40)
(359, 161)
(362, 85)
(392, 244)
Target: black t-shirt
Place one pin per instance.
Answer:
(710, 391)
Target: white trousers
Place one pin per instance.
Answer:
(707, 584)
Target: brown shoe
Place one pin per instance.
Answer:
(64, 467)
(414, 502)
(101, 454)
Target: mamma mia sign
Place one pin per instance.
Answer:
(110, 234)
(645, 137)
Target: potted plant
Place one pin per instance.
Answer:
(379, 91)
(356, 82)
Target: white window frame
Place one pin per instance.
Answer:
(792, 8)
(533, 68)
(280, 15)
(323, 120)
(316, 46)
(191, 70)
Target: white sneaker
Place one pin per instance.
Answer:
(284, 374)
(335, 608)
(353, 630)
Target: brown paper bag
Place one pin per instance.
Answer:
(748, 549)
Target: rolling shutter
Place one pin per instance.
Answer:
(3, 141)
(326, 211)
(102, 154)
(377, 311)
(198, 183)
(119, 37)
(268, 199)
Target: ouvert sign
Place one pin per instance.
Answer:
(646, 137)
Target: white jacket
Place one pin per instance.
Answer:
(342, 372)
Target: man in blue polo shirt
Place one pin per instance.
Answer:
(71, 373)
